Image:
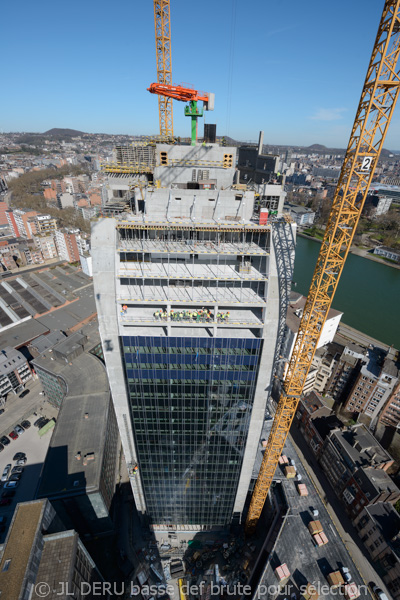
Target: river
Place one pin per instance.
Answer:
(368, 292)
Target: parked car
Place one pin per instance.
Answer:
(6, 471)
(24, 393)
(15, 477)
(8, 494)
(346, 574)
(379, 594)
(17, 470)
(13, 435)
(19, 455)
(21, 462)
(38, 422)
(10, 485)
(19, 430)
(25, 424)
(4, 440)
(43, 423)
(5, 501)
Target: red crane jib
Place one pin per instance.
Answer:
(178, 92)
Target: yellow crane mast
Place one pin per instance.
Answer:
(378, 99)
(162, 24)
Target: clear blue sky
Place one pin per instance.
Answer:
(294, 69)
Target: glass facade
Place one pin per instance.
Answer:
(191, 402)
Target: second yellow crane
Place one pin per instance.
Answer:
(378, 99)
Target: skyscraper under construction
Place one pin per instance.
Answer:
(190, 283)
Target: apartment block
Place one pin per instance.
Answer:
(67, 245)
(26, 225)
(390, 414)
(367, 486)
(14, 371)
(373, 385)
(316, 420)
(346, 450)
(378, 526)
(46, 244)
(45, 224)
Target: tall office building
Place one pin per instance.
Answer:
(189, 303)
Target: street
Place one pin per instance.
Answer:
(336, 510)
(17, 409)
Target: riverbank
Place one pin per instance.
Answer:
(357, 251)
(366, 292)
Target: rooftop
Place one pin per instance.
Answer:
(10, 359)
(387, 519)
(18, 547)
(44, 342)
(296, 306)
(81, 423)
(374, 482)
(361, 446)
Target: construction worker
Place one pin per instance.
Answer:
(227, 315)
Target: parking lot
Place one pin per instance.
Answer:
(35, 448)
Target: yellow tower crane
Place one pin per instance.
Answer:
(378, 99)
(162, 23)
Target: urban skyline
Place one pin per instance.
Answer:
(301, 85)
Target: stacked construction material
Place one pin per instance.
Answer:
(351, 591)
(310, 592)
(302, 489)
(315, 527)
(335, 579)
(282, 572)
(290, 472)
(320, 539)
(283, 460)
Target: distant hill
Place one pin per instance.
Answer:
(317, 147)
(63, 132)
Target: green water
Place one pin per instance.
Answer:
(368, 293)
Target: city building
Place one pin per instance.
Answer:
(316, 420)
(293, 318)
(14, 371)
(86, 263)
(366, 486)
(373, 385)
(344, 372)
(187, 293)
(25, 222)
(390, 414)
(67, 246)
(378, 526)
(377, 205)
(40, 555)
(46, 244)
(347, 450)
(3, 211)
(80, 470)
(302, 215)
(65, 200)
(389, 253)
(45, 224)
